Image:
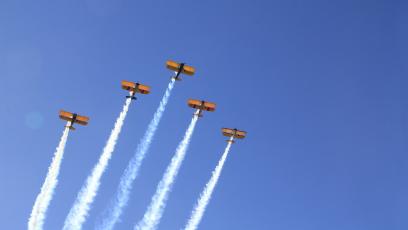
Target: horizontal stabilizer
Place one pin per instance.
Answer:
(70, 127)
(132, 97)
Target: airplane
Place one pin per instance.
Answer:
(73, 118)
(233, 133)
(135, 88)
(201, 105)
(179, 68)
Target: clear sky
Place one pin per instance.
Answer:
(319, 85)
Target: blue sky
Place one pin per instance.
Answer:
(320, 86)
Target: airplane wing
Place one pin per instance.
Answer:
(231, 132)
(189, 70)
(127, 85)
(240, 134)
(82, 120)
(209, 106)
(143, 89)
(194, 104)
(172, 65)
(64, 115)
(227, 132)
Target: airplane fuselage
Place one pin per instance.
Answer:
(177, 77)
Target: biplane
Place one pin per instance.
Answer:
(180, 68)
(201, 105)
(73, 118)
(233, 133)
(134, 88)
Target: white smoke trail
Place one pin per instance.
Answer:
(155, 211)
(117, 205)
(79, 210)
(44, 198)
(205, 196)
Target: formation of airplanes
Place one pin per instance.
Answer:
(134, 88)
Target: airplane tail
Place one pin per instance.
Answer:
(177, 76)
(70, 127)
(198, 113)
(133, 97)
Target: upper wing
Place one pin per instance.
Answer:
(143, 89)
(82, 120)
(235, 133)
(240, 134)
(64, 115)
(227, 132)
(189, 70)
(172, 65)
(209, 106)
(194, 103)
(128, 85)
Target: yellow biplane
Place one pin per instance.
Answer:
(73, 118)
(134, 88)
(179, 68)
(201, 105)
(233, 133)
